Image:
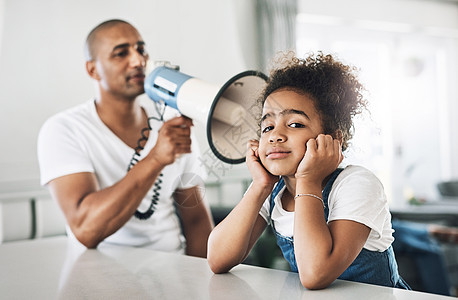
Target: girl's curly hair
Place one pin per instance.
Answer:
(333, 86)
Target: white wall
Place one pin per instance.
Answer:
(2, 9)
(42, 67)
(441, 13)
(434, 18)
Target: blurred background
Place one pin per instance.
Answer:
(406, 52)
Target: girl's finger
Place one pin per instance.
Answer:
(311, 145)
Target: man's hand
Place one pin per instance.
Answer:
(174, 138)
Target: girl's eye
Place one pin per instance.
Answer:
(296, 125)
(267, 129)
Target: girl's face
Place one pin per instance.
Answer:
(288, 121)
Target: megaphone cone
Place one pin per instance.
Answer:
(229, 112)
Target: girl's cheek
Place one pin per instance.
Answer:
(261, 155)
(304, 151)
(260, 149)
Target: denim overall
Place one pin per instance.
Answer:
(372, 267)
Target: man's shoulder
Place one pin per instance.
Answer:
(70, 115)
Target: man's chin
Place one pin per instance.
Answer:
(137, 92)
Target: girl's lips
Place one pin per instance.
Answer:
(277, 155)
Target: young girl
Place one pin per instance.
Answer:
(329, 222)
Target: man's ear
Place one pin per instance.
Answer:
(92, 70)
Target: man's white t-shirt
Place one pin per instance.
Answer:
(76, 140)
(356, 195)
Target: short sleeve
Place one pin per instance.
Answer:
(265, 211)
(59, 152)
(359, 196)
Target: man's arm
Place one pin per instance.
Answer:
(196, 220)
(93, 213)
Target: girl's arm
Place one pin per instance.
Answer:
(323, 252)
(231, 240)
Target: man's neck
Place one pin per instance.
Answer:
(119, 111)
(124, 117)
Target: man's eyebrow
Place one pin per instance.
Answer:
(125, 45)
(286, 112)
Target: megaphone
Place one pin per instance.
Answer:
(228, 112)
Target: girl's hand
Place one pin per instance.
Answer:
(322, 156)
(260, 175)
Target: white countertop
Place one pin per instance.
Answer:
(51, 269)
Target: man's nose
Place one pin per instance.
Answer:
(137, 59)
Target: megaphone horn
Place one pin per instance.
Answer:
(228, 112)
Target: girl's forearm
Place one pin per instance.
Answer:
(313, 242)
(229, 242)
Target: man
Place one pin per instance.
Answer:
(85, 153)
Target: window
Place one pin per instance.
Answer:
(405, 139)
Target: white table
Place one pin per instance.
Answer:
(51, 269)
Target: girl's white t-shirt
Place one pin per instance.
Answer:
(356, 195)
(76, 140)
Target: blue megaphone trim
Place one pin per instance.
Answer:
(163, 84)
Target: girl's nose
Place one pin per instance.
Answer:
(277, 137)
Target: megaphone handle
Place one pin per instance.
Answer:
(160, 109)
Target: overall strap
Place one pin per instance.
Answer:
(276, 190)
(327, 190)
